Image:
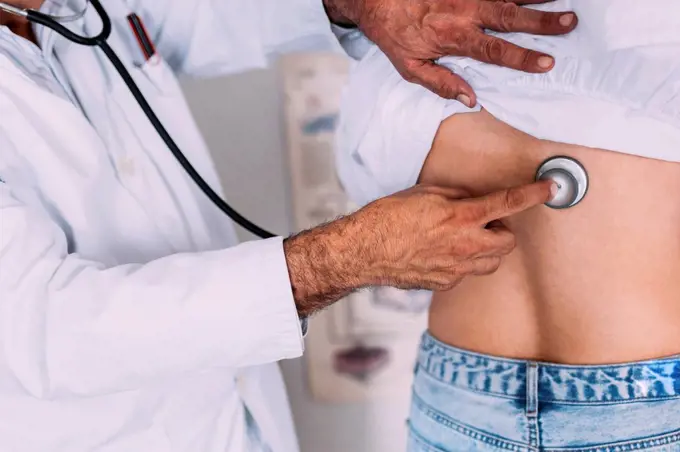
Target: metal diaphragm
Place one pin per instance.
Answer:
(571, 179)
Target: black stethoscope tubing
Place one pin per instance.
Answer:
(100, 41)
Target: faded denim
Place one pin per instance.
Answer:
(465, 401)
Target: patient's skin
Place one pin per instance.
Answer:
(598, 283)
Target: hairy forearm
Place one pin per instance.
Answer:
(426, 237)
(323, 265)
(343, 12)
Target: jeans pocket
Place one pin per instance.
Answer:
(449, 440)
(417, 444)
(433, 431)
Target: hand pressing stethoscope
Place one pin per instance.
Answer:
(570, 177)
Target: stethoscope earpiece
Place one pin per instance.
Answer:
(571, 179)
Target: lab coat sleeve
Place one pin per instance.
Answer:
(217, 37)
(71, 327)
(355, 44)
(386, 129)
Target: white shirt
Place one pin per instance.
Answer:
(126, 311)
(615, 86)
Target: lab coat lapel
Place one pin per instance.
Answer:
(114, 114)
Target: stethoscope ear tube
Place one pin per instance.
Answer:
(100, 41)
(179, 155)
(49, 22)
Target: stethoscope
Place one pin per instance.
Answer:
(570, 177)
(569, 174)
(100, 40)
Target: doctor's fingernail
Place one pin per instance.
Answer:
(567, 19)
(546, 62)
(554, 188)
(464, 99)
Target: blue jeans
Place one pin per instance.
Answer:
(464, 401)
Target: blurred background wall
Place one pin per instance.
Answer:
(242, 120)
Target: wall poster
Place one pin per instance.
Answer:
(363, 347)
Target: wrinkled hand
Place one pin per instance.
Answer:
(423, 238)
(431, 237)
(413, 34)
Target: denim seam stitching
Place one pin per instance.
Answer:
(625, 446)
(422, 441)
(446, 349)
(611, 402)
(467, 388)
(466, 430)
(431, 374)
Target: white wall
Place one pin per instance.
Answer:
(240, 117)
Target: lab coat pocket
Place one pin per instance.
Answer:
(160, 76)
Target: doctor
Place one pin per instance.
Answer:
(129, 319)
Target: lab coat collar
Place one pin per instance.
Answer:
(46, 37)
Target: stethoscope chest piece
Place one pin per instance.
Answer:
(571, 179)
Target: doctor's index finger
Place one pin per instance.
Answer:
(508, 202)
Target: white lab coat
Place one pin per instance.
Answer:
(129, 321)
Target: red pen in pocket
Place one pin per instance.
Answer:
(139, 30)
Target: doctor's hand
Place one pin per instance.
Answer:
(423, 238)
(415, 33)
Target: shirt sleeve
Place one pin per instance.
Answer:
(73, 327)
(217, 37)
(353, 41)
(386, 129)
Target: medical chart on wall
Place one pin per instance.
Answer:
(363, 347)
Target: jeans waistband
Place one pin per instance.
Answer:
(646, 380)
